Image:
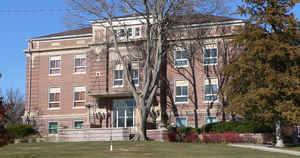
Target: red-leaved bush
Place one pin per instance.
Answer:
(171, 137)
(229, 137)
(191, 138)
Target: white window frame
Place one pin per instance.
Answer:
(127, 31)
(138, 73)
(209, 101)
(140, 31)
(185, 102)
(56, 68)
(74, 122)
(52, 134)
(206, 118)
(204, 50)
(80, 57)
(74, 91)
(175, 60)
(122, 79)
(59, 102)
(181, 117)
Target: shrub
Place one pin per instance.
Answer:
(182, 134)
(229, 137)
(21, 131)
(4, 136)
(244, 126)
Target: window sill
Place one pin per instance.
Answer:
(211, 64)
(54, 74)
(53, 109)
(83, 107)
(216, 101)
(181, 66)
(118, 86)
(79, 73)
(181, 103)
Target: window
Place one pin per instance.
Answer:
(211, 90)
(297, 129)
(52, 128)
(78, 124)
(181, 59)
(210, 54)
(118, 76)
(55, 65)
(137, 31)
(80, 63)
(54, 98)
(135, 73)
(122, 33)
(79, 97)
(211, 119)
(181, 91)
(129, 32)
(181, 122)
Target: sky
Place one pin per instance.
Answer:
(17, 27)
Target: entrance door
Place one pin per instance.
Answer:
(124, 112)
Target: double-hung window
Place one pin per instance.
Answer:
(78, 124)
(80, 64)
(138, 31)
(211, 119)
(79, 97)
(54, 65)
(52, 127)
(210, 54)
(181, 122)
(135, 73)
(118, 75)
(129, 32)
(54, 98)
(181, 58)
(181, 91)
(211, 89)
(122, 32)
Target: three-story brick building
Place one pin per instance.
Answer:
(74, 80)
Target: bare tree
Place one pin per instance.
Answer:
(14, 104)
(156, 15)
(194, 47)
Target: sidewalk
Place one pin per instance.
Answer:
(264, 148)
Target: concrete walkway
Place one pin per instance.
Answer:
(265, 148)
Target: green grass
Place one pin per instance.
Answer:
(292, 147)
(130, 150)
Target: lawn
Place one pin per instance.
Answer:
(130, 150)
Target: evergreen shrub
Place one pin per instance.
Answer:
(21, 131)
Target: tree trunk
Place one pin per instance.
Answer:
(279, 138)
(141, 124)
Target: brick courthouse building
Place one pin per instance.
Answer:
(73, 80)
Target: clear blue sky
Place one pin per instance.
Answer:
(16, 28)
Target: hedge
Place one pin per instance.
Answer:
(244, 126)
(21, 131)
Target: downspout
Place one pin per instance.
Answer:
(30, 81)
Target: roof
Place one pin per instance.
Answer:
(178, 20)
(82, 31)
(200, 19)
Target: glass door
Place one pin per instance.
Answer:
(124, 112)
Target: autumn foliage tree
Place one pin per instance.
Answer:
(265, 80)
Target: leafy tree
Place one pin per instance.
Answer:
(265, 80)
